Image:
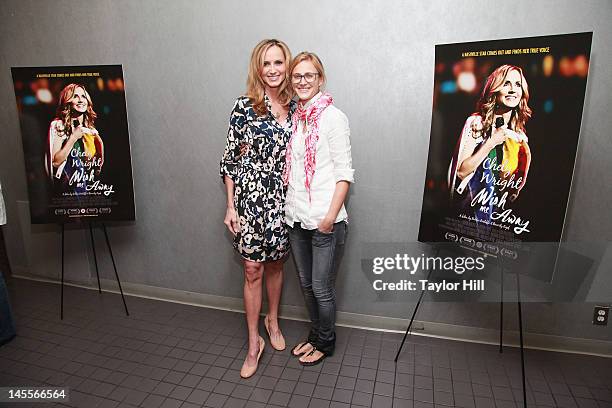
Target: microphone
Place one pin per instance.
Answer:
(499, 122)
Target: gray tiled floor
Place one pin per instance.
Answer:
(170, 355)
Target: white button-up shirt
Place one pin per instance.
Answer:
(332, 164)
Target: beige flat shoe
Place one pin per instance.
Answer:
(277, 343)
(246, 371)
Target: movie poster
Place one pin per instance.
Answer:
(76, 143)
(505, 126)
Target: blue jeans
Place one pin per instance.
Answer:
(317, 255)
(7, 327)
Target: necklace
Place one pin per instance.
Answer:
(276, 109)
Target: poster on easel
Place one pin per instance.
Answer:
(504, 133)
(76, 143)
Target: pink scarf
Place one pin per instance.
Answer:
(310, 116)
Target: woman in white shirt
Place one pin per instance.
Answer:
(318, 174)
(7, 326)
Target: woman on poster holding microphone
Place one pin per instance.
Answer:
(76, 151)
(492, 158)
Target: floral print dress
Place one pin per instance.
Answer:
(259, 194)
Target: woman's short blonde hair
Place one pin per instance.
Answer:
(314, 59)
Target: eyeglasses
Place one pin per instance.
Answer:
(308, 77)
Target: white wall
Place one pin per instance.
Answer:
(184, 63)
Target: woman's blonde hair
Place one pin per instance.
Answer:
(486, 104)
(255, 84)
(314, 59)
(64, 108)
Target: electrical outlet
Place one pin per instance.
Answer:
(600, 315)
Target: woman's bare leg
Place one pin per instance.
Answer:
(274, 287)
(253, 274)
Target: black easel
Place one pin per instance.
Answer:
(520, 316)
(416, 308)
(520, 321)
(93, 246)
(501, 317)
(501, 307)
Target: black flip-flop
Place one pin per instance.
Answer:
(300, 345)
(315, 362)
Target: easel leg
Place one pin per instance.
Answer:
(501, 308)
(414, 312)
(62, 285)
(520, 316)
(93, 247)
(110, 251)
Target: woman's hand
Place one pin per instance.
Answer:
(499, 136)
(326, 226)
(231, 221)
(77, 133)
